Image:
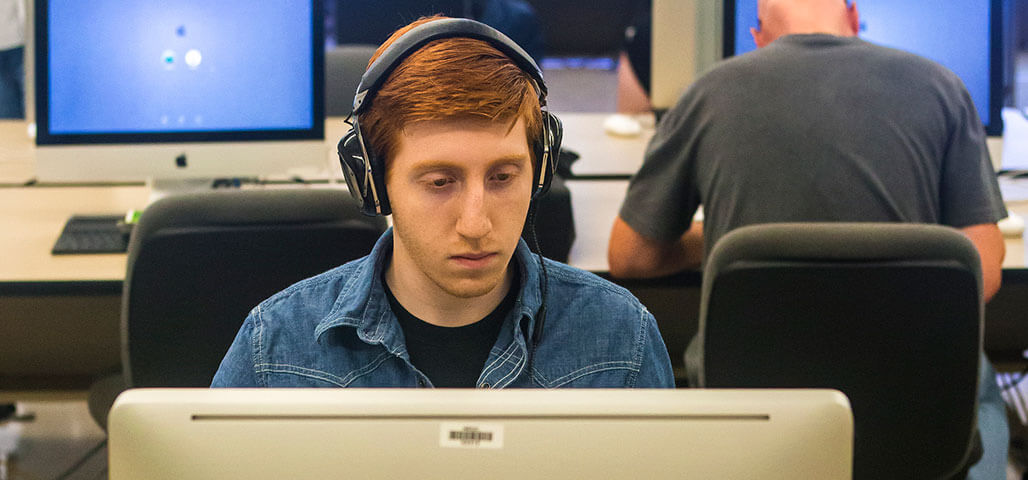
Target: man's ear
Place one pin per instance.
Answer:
(760, 37)
(853, 18)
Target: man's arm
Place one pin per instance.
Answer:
(988, 240)
(237, 368)
(631, 255)
(655, 366)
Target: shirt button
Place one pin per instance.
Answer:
(421, 382)
(485, 385)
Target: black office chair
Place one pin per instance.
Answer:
(344, 66)
(198, 263)
(890, 314)
(554, 223)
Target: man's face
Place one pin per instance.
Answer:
(459, 191)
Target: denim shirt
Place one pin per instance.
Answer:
(337, 330)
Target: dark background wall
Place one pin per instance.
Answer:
(1020, 23)
(585, 27)
(570, 27)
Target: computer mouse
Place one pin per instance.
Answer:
(622, 125)
(1012, 226)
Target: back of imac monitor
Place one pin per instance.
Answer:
(178, 88)
(500, 434)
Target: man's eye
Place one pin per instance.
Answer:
(503, 177)
(439, 182)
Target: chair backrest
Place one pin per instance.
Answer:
(344, 66)
(198, 263)
(890, 314)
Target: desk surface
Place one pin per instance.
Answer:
(34, 216)
(33, 219)
(596, 203)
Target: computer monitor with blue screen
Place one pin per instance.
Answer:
(963, 35)
(130, 90)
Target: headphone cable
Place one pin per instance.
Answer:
(540, 316)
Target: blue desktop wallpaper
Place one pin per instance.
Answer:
(954, 33)
(179, 66)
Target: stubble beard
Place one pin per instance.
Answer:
(459, 286)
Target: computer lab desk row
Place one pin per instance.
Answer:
(59, 314)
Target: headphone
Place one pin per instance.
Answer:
(365, 171)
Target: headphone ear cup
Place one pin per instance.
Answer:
(547, 153)
(363, 177)
(351, 159)
(556, 132)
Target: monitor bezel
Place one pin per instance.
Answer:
(44, 136)
(995, 125)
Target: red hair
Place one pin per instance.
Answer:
(448, 79)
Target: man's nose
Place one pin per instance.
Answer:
(473, 221)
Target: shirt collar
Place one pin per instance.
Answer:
(530, 298)
(816, 40)
(362, 302)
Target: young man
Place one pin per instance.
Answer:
(817, 125)
(450, 296)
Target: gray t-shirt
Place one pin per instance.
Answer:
(816, 128)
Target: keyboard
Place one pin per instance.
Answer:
(92, 234)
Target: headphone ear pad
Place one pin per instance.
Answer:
(546, 162)
(352, 162)
(556, 131)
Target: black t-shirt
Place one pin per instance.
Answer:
(452, 356)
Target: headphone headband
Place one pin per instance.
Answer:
(423, 34)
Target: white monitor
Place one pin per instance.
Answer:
(177, 89)
(498, 434)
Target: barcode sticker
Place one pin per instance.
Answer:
(470, 435)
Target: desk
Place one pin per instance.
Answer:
(602, 199)
(60, 314)
(601, 154)
(34, 217)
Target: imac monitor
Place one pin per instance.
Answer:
(965, 36)
(178, 88)
(465, 433)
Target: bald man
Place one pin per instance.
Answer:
(816, 125)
